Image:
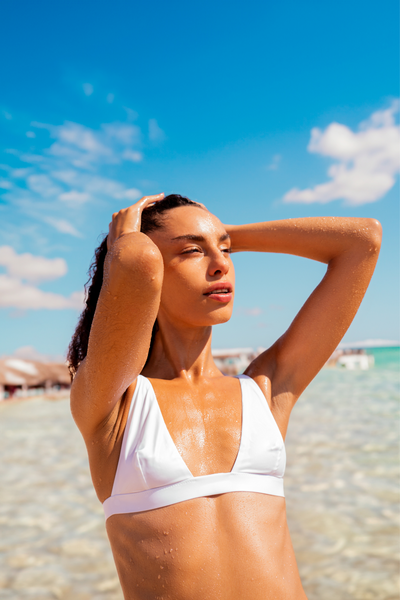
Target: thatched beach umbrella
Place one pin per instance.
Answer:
(25, 374)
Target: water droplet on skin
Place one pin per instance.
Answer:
(159, 577)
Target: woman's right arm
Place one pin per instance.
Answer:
(123, 321)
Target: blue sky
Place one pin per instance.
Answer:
(261, 111)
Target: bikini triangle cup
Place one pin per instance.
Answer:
(151, 473)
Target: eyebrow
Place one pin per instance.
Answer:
(200, 238)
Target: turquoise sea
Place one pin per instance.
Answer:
(342, 494)
(343, 482)
(386, 358)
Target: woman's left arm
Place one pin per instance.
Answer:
(350, 248)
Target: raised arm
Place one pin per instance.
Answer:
(350, 248)
(122, 325)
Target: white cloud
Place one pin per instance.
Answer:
(68, 176)
(368, 161)
(73, 137)
(274, 164)
(77, 300)
(16, 294)
(132, 194)
(30, 134)
(17, 289)
(110, 98)
(156, 134)
(85, 148)
(74, 197)
(43, 185)
(130, 113)
(31, 158)
(109, 188)
(87, 89)
(69, 172)
(122, 132)
(86, 186)
(7, 115)
(40, 125)
(30, 267)
(132, 155)
(20, 173)
(62, 226)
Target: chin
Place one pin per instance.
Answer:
(220, 316)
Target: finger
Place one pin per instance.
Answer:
(154, 199)
(151, 200)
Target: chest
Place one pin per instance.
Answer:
(205, 424)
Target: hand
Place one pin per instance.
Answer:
(128, 219)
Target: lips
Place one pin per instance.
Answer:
(221, 291)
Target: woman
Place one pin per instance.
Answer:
(187, 462)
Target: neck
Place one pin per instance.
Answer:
(183, 352)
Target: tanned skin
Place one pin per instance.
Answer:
(229, 546)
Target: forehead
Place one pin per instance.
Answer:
(191, 220)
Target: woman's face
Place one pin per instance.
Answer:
(198, 285)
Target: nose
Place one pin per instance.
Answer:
(219, 264)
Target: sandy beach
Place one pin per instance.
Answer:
(342, 490)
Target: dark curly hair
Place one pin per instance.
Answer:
(152, 218)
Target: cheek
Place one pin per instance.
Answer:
(179, 284)
(231, 275)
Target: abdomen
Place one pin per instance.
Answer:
(234, 545)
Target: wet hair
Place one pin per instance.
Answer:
(152, 219)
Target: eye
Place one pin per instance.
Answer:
(191, 250)
(227, 250)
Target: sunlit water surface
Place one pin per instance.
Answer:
(342, 489)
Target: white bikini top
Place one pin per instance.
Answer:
(151, 473)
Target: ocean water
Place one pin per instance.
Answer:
(342, 492)
(386, 358)
(342, 483)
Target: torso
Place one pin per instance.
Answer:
(233, 545)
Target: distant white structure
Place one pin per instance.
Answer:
(371, 344)
(356, 361)
(233, 361)
(353, 355)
